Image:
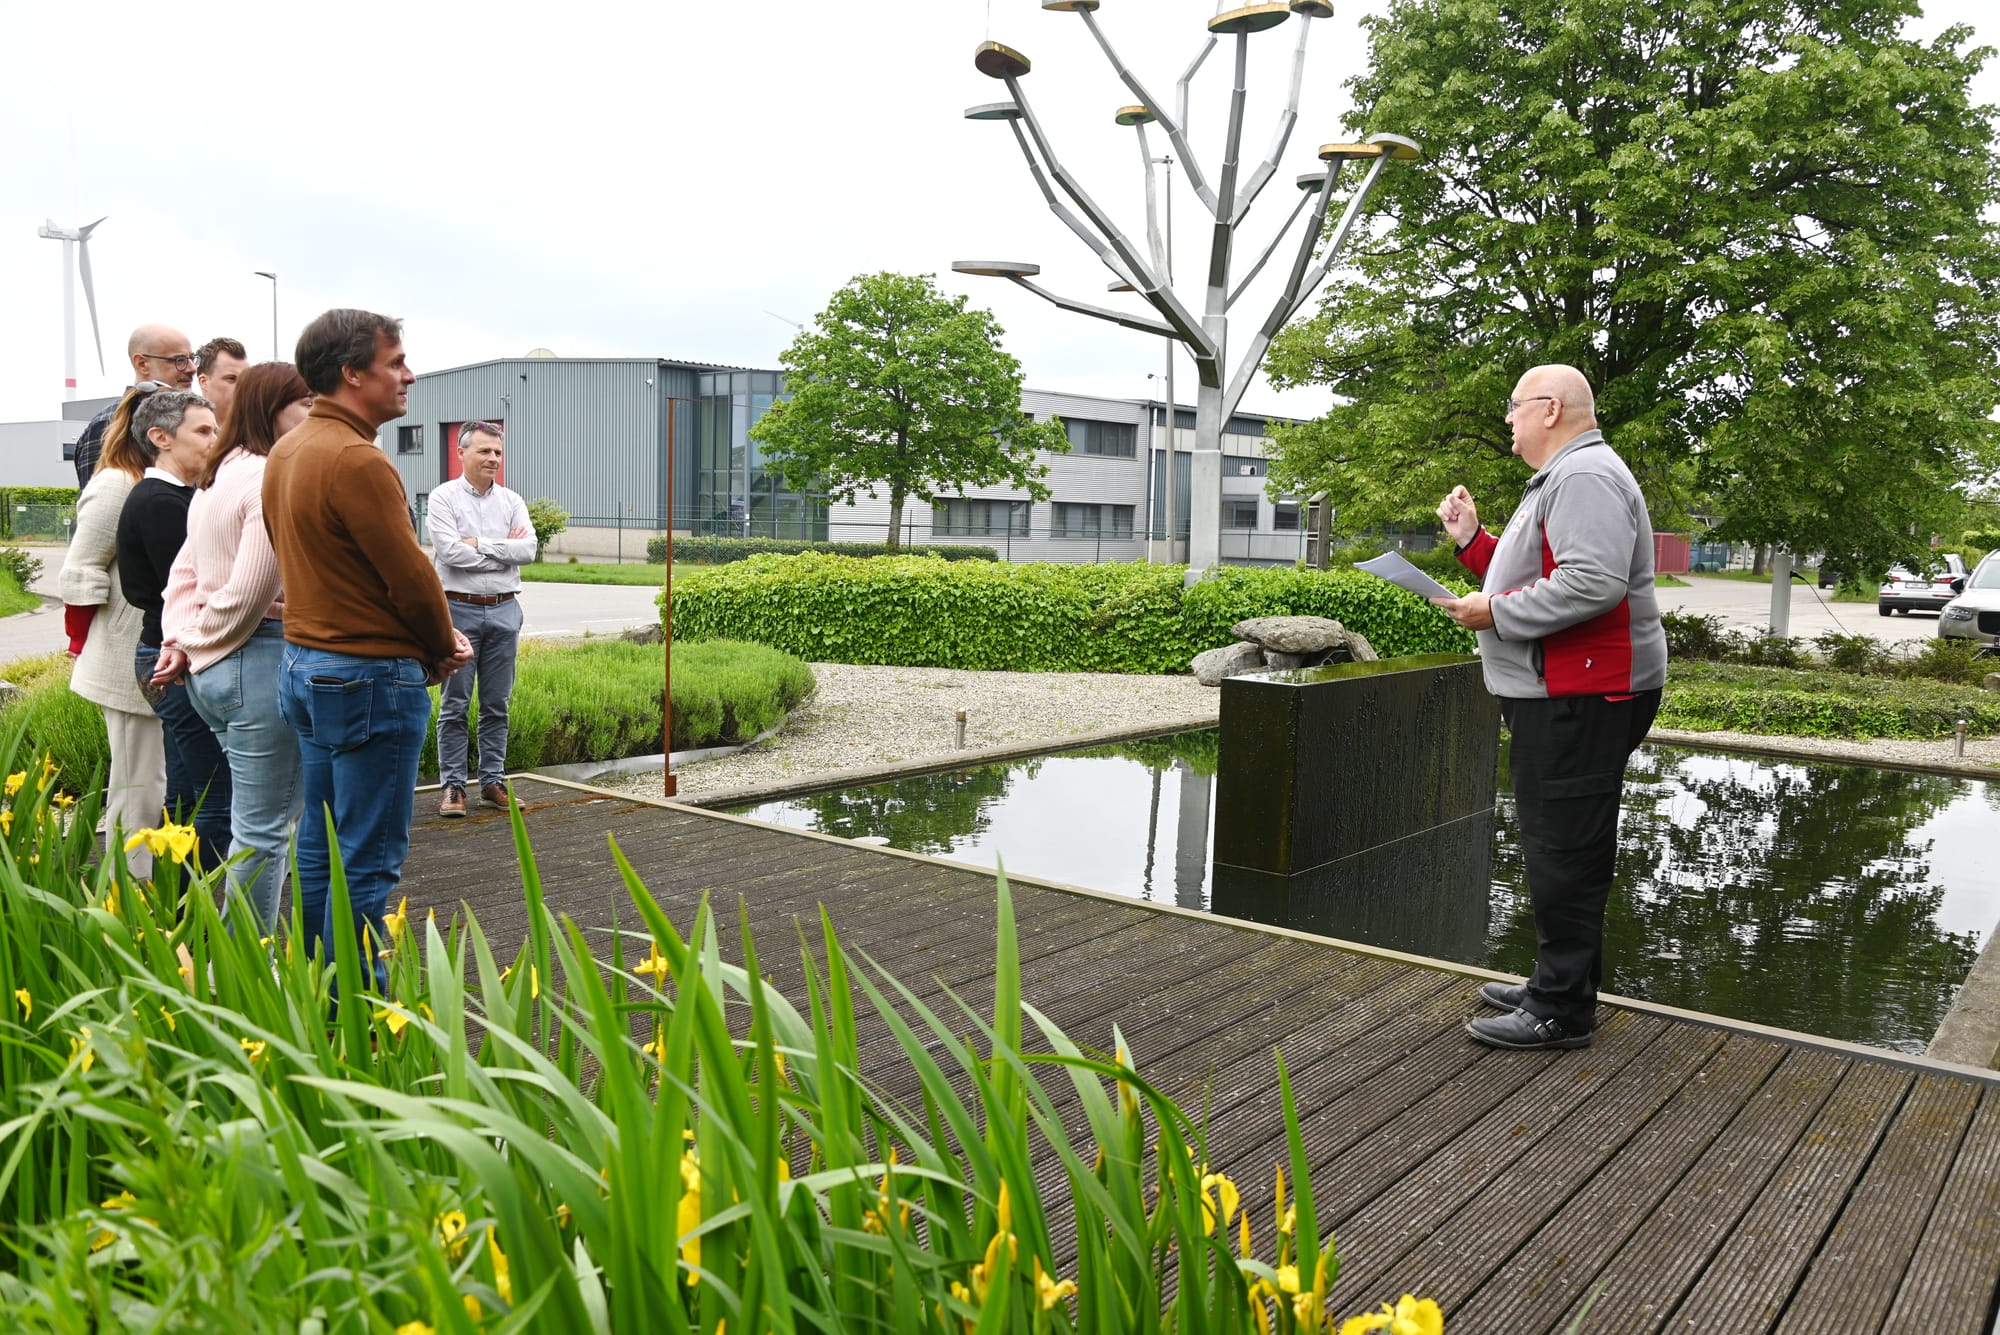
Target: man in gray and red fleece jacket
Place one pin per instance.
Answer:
(1571, 643)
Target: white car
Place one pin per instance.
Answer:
(1905, 592)
(1975, 613)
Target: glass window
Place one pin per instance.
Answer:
(409, 440)
(1073, 520)
(1118, 440)
(1285, 517)
(1239, 514)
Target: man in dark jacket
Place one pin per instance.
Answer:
(1571, 643)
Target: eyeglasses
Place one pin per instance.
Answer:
(150, 386)
(183, 361)
(1513, 404)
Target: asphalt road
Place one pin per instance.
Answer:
(1747, 606)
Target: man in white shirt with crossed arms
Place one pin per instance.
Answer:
(480, 538)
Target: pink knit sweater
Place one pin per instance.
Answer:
(226, 578)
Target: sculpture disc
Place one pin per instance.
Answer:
(1250, 18)
(1000, 62)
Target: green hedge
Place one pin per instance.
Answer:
(1114, 617)
(1708, 697)
(722, 551)
(593, 701)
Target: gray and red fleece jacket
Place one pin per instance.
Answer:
(1571, 581)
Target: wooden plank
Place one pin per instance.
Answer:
(1746, 1286)
(1439, 1230)
(1553, 1266)
(1949, 1285)
(1856, 1270)
(1645, 1280)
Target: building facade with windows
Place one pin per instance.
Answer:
(596, 435)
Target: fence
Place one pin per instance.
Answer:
(45, 523)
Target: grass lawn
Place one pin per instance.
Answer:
(13, 598)
(561, 572)
(1670, 582)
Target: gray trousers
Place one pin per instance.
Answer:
(495, 634)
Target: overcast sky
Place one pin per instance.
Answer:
(600, 179)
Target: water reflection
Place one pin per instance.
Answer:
(1833, 899)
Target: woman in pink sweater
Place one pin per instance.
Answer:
(223, 626)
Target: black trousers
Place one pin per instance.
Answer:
(1568, 765)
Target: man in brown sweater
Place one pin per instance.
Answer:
(366, 628)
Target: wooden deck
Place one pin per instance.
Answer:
(1708, 1177)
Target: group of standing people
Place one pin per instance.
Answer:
(248, 603)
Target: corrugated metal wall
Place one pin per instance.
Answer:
(588, 433)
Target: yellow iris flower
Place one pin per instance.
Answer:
(27, 1004)
(15, 780)
(1410, 1316)
(168, 841)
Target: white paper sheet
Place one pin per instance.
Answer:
(1392, 567)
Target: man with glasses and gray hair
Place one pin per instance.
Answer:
(1570, 641)
(480, 539)
(159, 354)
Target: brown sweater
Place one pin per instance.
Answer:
(355, 580)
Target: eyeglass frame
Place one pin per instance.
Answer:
(180, 361)
(1514, 405)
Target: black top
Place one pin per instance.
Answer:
(151, 529)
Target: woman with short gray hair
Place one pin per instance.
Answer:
(177, 430)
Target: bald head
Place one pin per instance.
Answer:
(161, 353)
(1555, 407)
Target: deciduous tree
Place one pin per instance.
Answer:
(1755, 225)
(899, 386)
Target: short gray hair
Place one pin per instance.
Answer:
(165, 409)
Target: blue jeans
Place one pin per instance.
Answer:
(197, 771)
(238, 696)
(495, 634)
(361, 724)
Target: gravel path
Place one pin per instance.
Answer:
(887, 715)
(865, 716)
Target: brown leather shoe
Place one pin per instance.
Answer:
(452, 804)
(494, 795)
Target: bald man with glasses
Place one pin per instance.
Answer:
(159, 354)
(1570, 641)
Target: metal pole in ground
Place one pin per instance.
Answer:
(668, 784)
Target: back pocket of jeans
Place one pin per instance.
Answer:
(340, 710)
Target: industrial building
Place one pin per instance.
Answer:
(595, 435)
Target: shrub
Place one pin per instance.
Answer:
(45, 509)
(14, 596)
(25, 566)
(56, 721)
(1785, 651)
(1114, 617)
(1939, 659)
(1981, 540)
(601, 700)
(547, 519)
(1690, 636)
(1706, 697)
(721, 551)
(1853, 653)
(650, 1140)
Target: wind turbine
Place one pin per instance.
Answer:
(75, 240)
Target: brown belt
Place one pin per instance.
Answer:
(479, 599)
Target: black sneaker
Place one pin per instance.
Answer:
(1504, 996)
(452, 805)
(1525, 1031)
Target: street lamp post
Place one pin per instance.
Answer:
(264, 273)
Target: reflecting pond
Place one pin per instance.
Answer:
(1834, 899)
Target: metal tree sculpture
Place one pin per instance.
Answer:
(1228, 201)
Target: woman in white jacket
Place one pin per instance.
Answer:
(104, 633)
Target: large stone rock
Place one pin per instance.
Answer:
(1318, 639)
(1231, 660)
(1993, 681)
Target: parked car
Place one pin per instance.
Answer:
(1975, 613)
(1903, 591)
